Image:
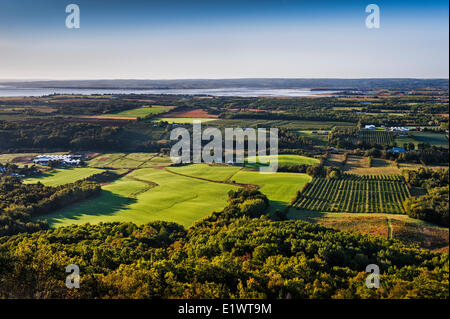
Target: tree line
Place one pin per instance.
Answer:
(21, 203)
(235, 253)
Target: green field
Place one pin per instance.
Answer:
(127, 160)
(63, 176)
(319, 139)
(280, 188)
(283, 160)
(134, 198)
(416, 138)
(159, 161)
(141, 112)
(401, 140)
(105, 160)
(431, 138)
(141, 157)
(211, 172)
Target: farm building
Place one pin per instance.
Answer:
(3, 172)
(399, 129)
(69, 160)
(398, 150)
(370, 127)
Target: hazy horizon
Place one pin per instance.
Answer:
(219, 78)
(201, 39)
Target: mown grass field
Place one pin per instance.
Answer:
(283, 160)
(125, 160)
(105, 160)
(280, 188)
(140, 112)
(206, 171)
(63, 176)
(135, 198)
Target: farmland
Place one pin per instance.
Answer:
(63, 176)
(121, 160)
(283, 160)
(431, 138)
(207, 171)
(183, 120)
(146, 195)
(392, 226)
(146, 218)
(280, 188)
(319, 137)
(416, 138)
(140, 112)
(185, 186)
(198, 113)
(376, 137)
(355, 194)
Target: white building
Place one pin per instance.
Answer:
(399, 129)
(71, 160)
(370, 127)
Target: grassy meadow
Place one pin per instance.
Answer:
(283, 160)
(141, 112)
(280, 188)
(58, 177)
(205, 171)
(146, 195)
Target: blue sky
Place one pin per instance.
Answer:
(167, 39)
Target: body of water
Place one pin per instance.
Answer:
(242, 92)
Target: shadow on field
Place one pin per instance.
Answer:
(275, 205)
(50, 173)
(107, 203)
(305, 215)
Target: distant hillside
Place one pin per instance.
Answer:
(359, 84)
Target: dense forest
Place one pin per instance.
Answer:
(45, 135)
(433, 206)
(235, 253)
(20, 203)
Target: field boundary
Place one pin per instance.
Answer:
(252, 186)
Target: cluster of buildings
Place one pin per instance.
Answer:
(65, 160)
(392, 128)
(398, 150)
(399, 129)
(3, 172)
